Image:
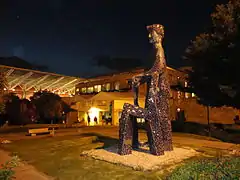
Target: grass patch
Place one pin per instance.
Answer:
(60, 157)
(195, 136)
(214, 168)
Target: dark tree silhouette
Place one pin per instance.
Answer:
(214, 58)
(49, 106)
(18, 111)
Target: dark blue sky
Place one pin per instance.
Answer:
(66, 34)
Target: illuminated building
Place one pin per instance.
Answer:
(108, 93)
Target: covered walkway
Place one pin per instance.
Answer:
(24, 82)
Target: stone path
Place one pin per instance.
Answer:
(23, 171)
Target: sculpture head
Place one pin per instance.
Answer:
(156, 33)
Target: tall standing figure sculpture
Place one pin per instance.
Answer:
(156, 111)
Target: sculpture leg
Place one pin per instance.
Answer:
(166, 126)
(126, 127)
(167, 137)
(155, 139)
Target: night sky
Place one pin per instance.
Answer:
(66, 34)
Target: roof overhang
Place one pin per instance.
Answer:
(29, 80)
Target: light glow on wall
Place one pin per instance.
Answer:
(93, 112)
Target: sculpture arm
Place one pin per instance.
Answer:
(140, 79)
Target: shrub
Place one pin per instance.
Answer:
(217, 168)
(6, 170)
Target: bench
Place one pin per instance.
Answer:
(34, 132)
(53, 126)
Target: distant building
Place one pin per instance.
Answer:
(103, 97)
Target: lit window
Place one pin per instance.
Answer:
(103, 87)
(171, 93)
(97, 88)
(84, 90)
(178, 94)
(119, 114)
(77, 89)
(193, 95)
(108, 86)
(89, 89)
(140, 120)
(186, 95)
(185, 84)
(116, 86)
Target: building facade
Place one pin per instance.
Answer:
(101, 98)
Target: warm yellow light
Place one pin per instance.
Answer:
(93, 112)
(149, 35)
(13, 89)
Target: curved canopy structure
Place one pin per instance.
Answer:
(26, 81)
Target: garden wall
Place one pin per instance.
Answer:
(195, 112)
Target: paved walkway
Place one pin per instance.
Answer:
(182, 139)
(112, 132)
(23, 171)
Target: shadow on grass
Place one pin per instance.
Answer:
(108, 141)
(110, 144)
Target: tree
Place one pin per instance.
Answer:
(214, 59)
(12, 108)
(49, 106)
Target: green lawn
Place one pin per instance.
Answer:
(60, 157)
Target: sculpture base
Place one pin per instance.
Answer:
(141, 159)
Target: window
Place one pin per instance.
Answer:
(178, 94)
(89, 89)
(119, 114)
(193, 95)
(108, 86)
(84, 90)
(185, 84)
(103, 87)
(187, 95)
(116, 85)
(171, 94)
(77, 90)
(97, 88)
(140, 120)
